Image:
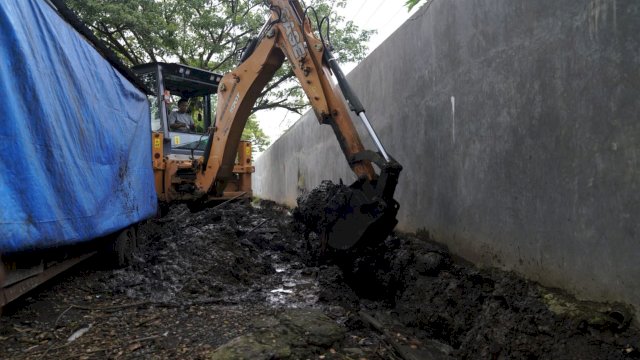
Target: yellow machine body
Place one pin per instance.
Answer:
(169, 173)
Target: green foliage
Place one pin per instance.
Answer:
(411, 3)
(208, 34)
(254, 133)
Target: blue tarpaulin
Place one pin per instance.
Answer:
(75, 144)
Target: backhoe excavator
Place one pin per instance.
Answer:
(367, 213)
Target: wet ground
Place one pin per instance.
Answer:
(245, 281)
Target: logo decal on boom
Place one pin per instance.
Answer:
(292, 35)
(234, 103)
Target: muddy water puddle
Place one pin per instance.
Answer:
(297, 287)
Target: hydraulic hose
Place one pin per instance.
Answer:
(352, 99)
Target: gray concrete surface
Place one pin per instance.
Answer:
(518, 126)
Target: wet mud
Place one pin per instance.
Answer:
(250, 281)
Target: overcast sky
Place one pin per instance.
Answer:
(383, 16)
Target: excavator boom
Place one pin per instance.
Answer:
(368, 210)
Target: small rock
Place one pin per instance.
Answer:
(354, 351)
(429, 263)
(308, 271)
(246, 243)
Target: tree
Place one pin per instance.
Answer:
(254, 133)
(208, 34)
(411, 3)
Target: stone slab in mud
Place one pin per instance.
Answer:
(220, 281)
(290, 335)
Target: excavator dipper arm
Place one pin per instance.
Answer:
(369, 210)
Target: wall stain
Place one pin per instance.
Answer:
(598, 12)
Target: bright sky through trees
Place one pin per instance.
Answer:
(383, 16)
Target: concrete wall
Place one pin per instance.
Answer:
(518, 124)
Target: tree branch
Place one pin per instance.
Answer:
(258, 3)
(209, 56)
(235, 38)
(227, 58)
(279, 104)
(115, 44)
(149, 51)
(284, 78)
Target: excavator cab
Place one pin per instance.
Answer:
(171, 82)
(176, 151)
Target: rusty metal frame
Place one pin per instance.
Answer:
(14, 291)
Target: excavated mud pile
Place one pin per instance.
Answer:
(454, 309)
(223, 283)
(469, 313)
(203, 256)
(243, 281)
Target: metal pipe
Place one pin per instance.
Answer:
(373, 135)
(233, 198)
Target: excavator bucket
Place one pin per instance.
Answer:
(347, 216)
(360, 219)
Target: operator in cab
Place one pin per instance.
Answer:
(180, 119)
